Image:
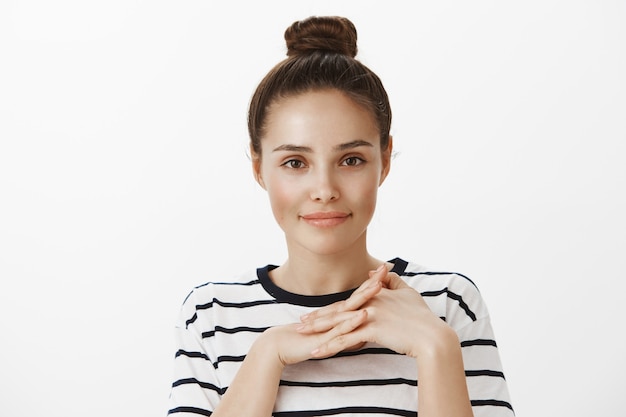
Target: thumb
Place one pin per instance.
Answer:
(393, 281)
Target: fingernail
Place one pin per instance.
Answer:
(380, 268)
(314, 352)
(304, 317)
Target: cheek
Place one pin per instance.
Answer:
(282, 200)
(370, 201)
(365, 195)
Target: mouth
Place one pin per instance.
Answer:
(325, 219)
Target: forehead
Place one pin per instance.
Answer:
(318, 117)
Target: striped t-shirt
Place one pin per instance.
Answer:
(219, 322)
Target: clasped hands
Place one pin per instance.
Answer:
(383, 310)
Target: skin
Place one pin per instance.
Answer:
(321, 166)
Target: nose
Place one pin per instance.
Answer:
(324, 188)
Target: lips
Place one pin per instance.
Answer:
(326, 218)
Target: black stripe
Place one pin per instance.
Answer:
(367, 351)
(205, 385)
(496, 403)
(479, 342)
(484, 372)
(347, 410)
(412, 274)
(228, 359)
(399, 266)
(233, 305)
(191, 354)
(220, 329)
(243, 284)
(191, 320)
(358, 383)
(192, 410)
(453, 296)
(371, 351)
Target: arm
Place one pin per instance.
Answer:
(442, 386)
(254, 389)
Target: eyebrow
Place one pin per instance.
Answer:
(341, 147)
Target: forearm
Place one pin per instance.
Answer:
(442, 389)
(253, 391)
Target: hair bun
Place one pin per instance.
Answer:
(329, 33)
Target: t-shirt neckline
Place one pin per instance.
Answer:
(284, 296)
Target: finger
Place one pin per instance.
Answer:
(372, 278)
(325, 323)
(342, 336)
(363, 293)
(373, 272)
(357, 299)
(393, 281)
(380, 269)
(381, 274)
(354, 302)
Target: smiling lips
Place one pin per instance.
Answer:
(325, 219)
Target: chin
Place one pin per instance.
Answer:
(329, 246)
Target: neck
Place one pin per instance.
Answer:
(310, 273)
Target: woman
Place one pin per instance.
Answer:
(333, 330)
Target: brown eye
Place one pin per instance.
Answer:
(353, 161)
(294, 164)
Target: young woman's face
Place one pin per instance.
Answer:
(321, 165)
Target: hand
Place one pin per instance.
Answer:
(292, 345)
(397, 317)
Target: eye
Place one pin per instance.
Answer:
(353, 161)
(293, 164)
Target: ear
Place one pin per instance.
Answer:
(256, 167)
(386, 154)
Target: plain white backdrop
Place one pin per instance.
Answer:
(124, 182)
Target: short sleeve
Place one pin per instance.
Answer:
(457, 300)
(195, 389)
(485, 378)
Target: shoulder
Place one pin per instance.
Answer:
(235, 284)
(233, 292)
(428, 278)
(452, 295)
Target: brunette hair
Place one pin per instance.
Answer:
(321, 55)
